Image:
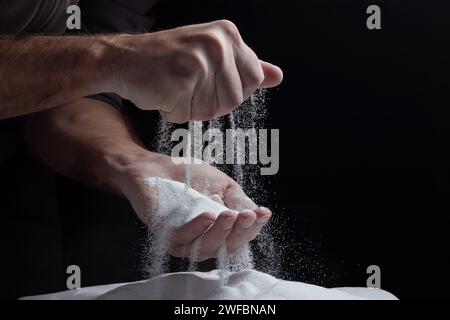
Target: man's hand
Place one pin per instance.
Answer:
(99, 149)
(234, 228)
(195, 72)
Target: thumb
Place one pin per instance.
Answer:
(273, 75)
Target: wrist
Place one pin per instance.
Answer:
(115, 63)
(123, 168)
(91, 65)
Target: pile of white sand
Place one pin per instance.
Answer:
(243, 285)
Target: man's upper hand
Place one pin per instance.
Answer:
(195, 72)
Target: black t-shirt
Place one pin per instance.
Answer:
(49, 16)
(38, 16)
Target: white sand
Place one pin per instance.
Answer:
(243, 285)
(178, 203)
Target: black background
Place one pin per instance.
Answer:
(364, 132)
(364, 167)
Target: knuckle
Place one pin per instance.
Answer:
(256, 78)
(229, 28)
(190, 63)
(214, 46)
(208, 215)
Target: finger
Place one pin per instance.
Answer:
(187, 233)
(179, 114)
(228, 85)
(273, 75)
(236, 199)
(204, 99)
(217, 199)
(179, 251)
(239, 236)
(217, 234)
(249, 68)
(179, 111)
(262, 217)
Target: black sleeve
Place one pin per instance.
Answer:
(110, 98)
(22, 17)
(116, 16)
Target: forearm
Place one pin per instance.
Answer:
(90, 141)
(42, 72)
(190, 73)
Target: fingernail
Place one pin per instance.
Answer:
(246, 211)
(263, 219)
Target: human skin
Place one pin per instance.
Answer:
(90, 141)
(195, 72)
